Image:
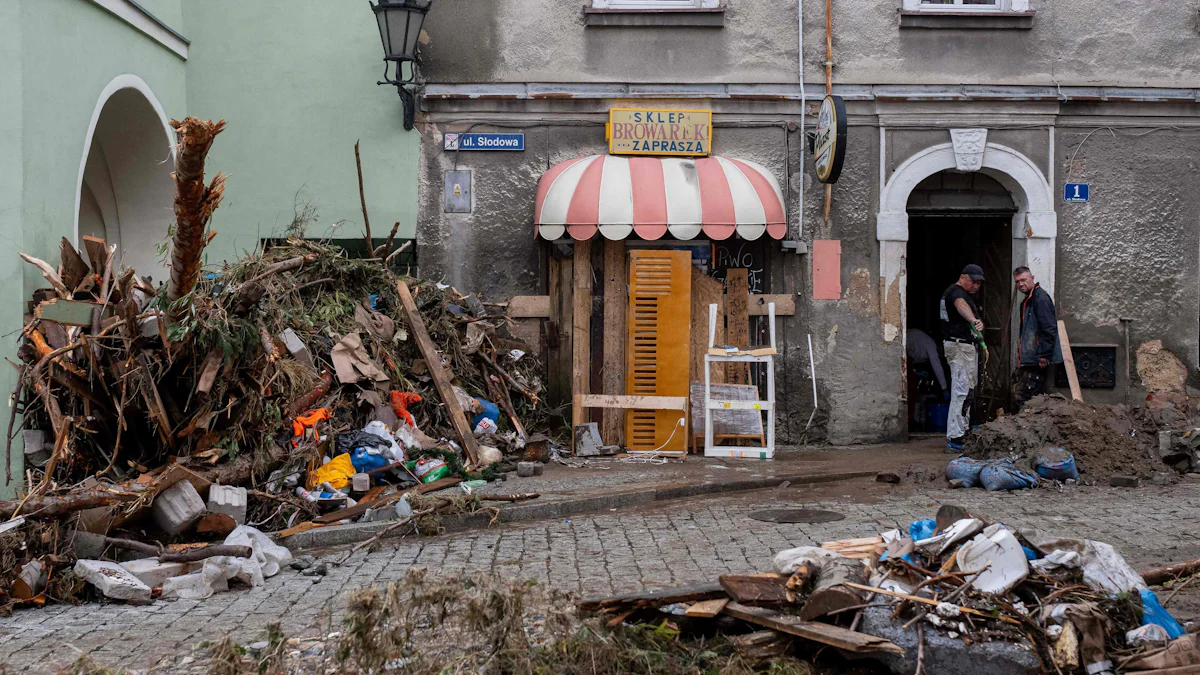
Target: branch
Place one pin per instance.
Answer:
(363, 199)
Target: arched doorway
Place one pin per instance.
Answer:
(1031, 220)
(125, 188)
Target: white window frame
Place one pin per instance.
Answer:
(958, 6)
(656, 4)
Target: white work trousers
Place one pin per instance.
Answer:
(964, 375)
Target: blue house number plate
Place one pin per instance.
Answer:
(1077, 192)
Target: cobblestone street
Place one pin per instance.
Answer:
(676, 543)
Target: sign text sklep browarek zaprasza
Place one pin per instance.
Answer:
(633, 131)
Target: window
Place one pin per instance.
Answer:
(655, 4)
(966, 5)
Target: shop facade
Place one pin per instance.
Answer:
(970, 130)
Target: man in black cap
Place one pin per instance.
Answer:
(959, 313)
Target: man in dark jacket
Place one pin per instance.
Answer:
(1038, 348)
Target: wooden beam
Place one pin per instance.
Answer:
(581, 328)
(707, 609)
(1069, 362)
(558, 329)
(657, 598)
(66, 312)
(616, 306)
(631, 402)
(823, 633)
(529, 306)
(785, 304)
(737, 328)
(539, 306)
(441, 374)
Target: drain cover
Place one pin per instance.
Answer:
(796, 516)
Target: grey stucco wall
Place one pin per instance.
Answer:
(1072, 42)
(1133, 251)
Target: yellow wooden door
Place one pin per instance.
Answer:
(657, 348)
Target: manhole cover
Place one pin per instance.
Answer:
(796, 516)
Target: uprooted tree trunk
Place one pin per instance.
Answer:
(830, 593)
(194, 202)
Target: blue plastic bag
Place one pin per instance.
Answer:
(965, 469)
(1004, 475)
(1030, 554)
(1056, 464)
(364, 461)
(922, 529)
(490, 411)
(1154, 612)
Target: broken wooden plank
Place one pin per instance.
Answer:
(707, 609)
(97, 250)
(209, 370)
(737, 323)
(824, 633)
(72, 268)
(439, 372)
(361, 507)
(632, 402)
(656, 598)
(67, 312)
(529, 307)
(1069, 362)
(755, 589)
(785, 304)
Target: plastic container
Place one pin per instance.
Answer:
(1056, 464)
(489, 411)
(938, 414)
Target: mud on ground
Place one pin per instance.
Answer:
(1106, 440)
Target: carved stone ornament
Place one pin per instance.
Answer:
(969, 146)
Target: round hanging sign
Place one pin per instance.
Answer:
(829, 144)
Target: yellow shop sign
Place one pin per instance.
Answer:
(635, 131)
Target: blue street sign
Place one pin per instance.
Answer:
(1079, 193)
(509, 142)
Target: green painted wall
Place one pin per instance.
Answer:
(59, 55)
(169, 12)
(295, 79)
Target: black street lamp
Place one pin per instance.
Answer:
(399, 27)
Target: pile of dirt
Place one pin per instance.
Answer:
(1106, 440)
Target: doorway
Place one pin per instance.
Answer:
(955, 220)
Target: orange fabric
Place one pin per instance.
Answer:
(308, 420)
(400, 401)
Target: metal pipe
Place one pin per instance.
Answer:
(803, 111)
(828, 226)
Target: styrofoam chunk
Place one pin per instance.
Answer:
(154, 573)
(228, 500)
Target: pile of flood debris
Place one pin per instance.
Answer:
(958, 593)
(294, 388)
(1104, 440)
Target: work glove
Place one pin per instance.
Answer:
(1042, 363)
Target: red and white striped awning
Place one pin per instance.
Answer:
(652, 195)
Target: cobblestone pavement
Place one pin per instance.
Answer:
(676, 543)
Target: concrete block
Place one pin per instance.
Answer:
(1124, 481)
(113, 580)
(153, 573)
(360, 483)
(228, 500)
(529, 469)
(945, 654)
(88, 544)
(177, 507)
(37, 448)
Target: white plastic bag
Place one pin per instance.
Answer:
(787, 562)
(270, 556)
(395, 452)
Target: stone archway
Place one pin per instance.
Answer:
(124, 193)
(1034, 226)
